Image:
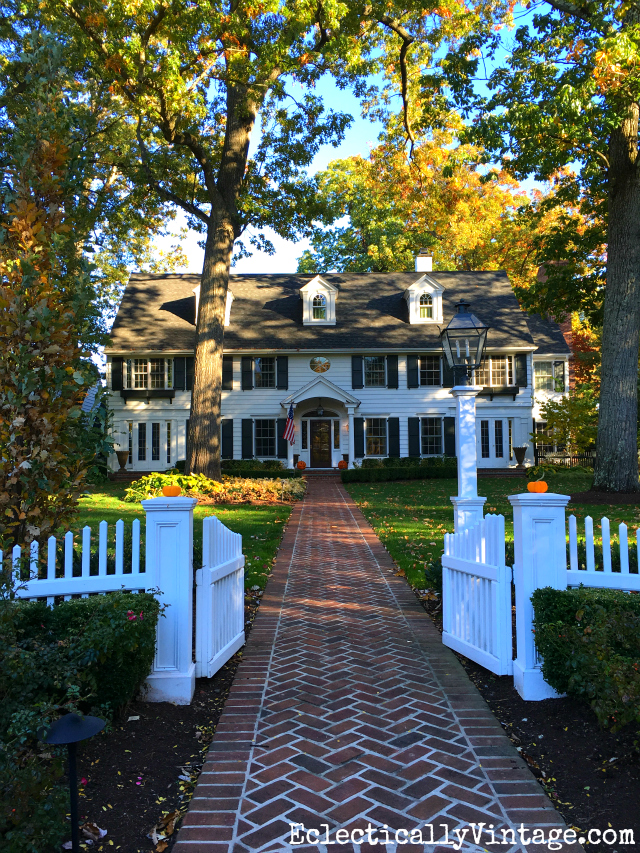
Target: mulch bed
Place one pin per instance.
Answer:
(591, 774)
(146, 767)
(607, 498)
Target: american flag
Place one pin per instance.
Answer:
(289, 431)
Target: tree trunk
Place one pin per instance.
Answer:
(617, 442)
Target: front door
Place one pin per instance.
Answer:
(494, 442)
(320, 444)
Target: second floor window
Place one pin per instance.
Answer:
(374, 371)
(319, 306)
(264, 371)
(149, 373)
(495, 371)
(548, 375)
(430, 370)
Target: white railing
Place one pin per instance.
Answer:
(585, 572)
(476, 595)
(219, 598)
(56, 577)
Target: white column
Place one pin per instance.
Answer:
(467, 505)
(540, 559)
(352, 445)
(169, 567)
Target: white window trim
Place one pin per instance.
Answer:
(131, 387)
(425, 284)
(318, 287)
(437, 417)
(364, 372)
(384, 418)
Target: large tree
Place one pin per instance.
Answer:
(564, 92)
(195, 79)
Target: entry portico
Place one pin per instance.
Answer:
(323, 412)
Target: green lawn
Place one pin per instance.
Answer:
(412, 517)
(261, 526)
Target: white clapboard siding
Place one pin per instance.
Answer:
(476, 595)
(219, 598)
(43, 583)
(605, 579)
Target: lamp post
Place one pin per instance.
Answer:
(463, 343)
(70, 730)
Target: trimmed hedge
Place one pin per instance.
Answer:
(383, 474)
(589, 640)
(262, 474)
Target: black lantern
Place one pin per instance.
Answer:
(69, 730)
(320, 410)
(463, 342)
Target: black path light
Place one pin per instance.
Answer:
(463, 342)
(70, 730)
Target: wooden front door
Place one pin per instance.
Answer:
(320, 444)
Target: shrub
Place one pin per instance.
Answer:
(252, 465)
(230, 490)
(404, 472)
(590, 643)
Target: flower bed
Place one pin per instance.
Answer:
(230, 490)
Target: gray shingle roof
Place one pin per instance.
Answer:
(158, 313)
(547, 335)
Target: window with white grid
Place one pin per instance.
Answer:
(431, 436)
(140, 373)
(430, 370)
(376, 436)
(264, 370)
(265, 437)
(374, 371)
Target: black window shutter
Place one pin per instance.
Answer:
(227, 372)
(392, 371)
(247, 373)
(558, 376)
(356, 373)
(283, 444)
(393, 431)
(117, 365)
(188, 372)
(449, 436)
(358, 437)
(448, 379)
(282, 372)
(521, 370)
(247, 438)
(414, 436)
(413, 377)
(227, 438)
(179, 373)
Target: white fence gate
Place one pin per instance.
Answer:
(476, 595)
(219, 598)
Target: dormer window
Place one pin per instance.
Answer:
(426, 307)
(319, 307)
(318, 302)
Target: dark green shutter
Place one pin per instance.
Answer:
(413, 376)
(447, 374)
(227, 438)
(282, 373)
(558, 376)
(247, 438)
(393, 431)
(392, 371)
(227, 372)
(449, 436)
(188, 372)
(414, 436)
(358, 437)
(247, 373)
(283, 444)
(521, 370)
(356, 372)
(117, 366)
(179, 373)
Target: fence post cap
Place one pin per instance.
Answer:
(539, 499)
(162, 504)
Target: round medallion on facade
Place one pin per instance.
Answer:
(319, 364)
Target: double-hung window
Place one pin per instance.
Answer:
(264, 372)
(265, 437)
(429, 366)
(375, 371)
(376, 436)
(431, 436)
(548, 375)
(143, 373)
(495, 371)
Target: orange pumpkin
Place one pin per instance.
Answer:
(171, 491)
(537, 486)
(342, 465)
(302, 465)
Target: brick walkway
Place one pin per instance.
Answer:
(347, 712)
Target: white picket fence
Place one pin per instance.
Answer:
(219, 598)
(476, 594)
(50, 580)
(70, 568)
(585, 573)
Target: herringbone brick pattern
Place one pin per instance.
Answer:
(348, 712)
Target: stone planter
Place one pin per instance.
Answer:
(123, 456)
(519, 453)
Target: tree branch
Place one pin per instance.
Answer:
(575, 11)
(407, 41)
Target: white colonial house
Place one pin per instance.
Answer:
(358, 356)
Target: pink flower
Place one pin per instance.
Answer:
(131, 616)
(83, 781)
(141, 616)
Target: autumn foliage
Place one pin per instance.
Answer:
(46, 444)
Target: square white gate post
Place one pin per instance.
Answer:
(467, 505)
(540, 559)
(169, 560)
